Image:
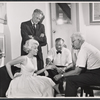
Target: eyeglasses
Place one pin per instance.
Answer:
(73, 41)
(38, 18)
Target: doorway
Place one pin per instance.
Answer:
(59, 29)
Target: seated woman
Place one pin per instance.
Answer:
(27, 83)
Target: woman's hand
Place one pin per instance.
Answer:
(57, 77)
(17, 75)
(46, 73)
(34, 74)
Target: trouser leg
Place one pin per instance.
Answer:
(40, 65)
(52, 73)
(71, 88)
(85, 79)
(87, 91)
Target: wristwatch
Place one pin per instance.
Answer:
(62, 75)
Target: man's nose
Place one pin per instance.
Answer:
(72, 46)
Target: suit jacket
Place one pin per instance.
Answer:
(5, 79)
(27, 29)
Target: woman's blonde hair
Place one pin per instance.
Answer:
(29, 44)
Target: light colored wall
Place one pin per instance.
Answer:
(2, 34)
(17, 13)
(64, 31)
(91, 32)
(80, 22)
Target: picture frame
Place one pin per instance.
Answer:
(3, 14)
(2, 47)
(2, 50)
(94, 13)
(61, 16)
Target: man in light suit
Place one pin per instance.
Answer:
(34, 29)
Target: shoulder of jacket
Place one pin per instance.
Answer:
(41, 24)
(66, 49)
(25, 22)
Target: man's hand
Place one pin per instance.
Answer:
(57, 77)
(48, 61)
(63, 70)
(42, 35)
(59, 70)
(50, 67)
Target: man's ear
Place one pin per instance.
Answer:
(64, 45)
(42, 19)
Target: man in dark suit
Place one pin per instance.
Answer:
(34, 29)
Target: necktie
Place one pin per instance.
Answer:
(34, 28)
(59, 52)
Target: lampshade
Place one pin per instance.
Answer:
(60, 20)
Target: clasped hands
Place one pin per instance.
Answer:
(60, 71)
(51, 66)
(41, 35)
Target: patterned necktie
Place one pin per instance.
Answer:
(34, 28)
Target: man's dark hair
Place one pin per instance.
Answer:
(58, 39)
(38, 11)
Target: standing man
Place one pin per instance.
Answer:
(88, 58)
(34, 29)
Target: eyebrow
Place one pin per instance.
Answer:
(38, 18)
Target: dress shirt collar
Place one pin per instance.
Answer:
(83, 45)
(33, 23)
(57, 52)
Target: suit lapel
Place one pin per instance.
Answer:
(37, 26)
(32, 28)
(37, 29)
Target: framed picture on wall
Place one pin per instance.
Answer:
(94, 13)
(2, 50)
(63, 16)
(3, 14)
(2, 46)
